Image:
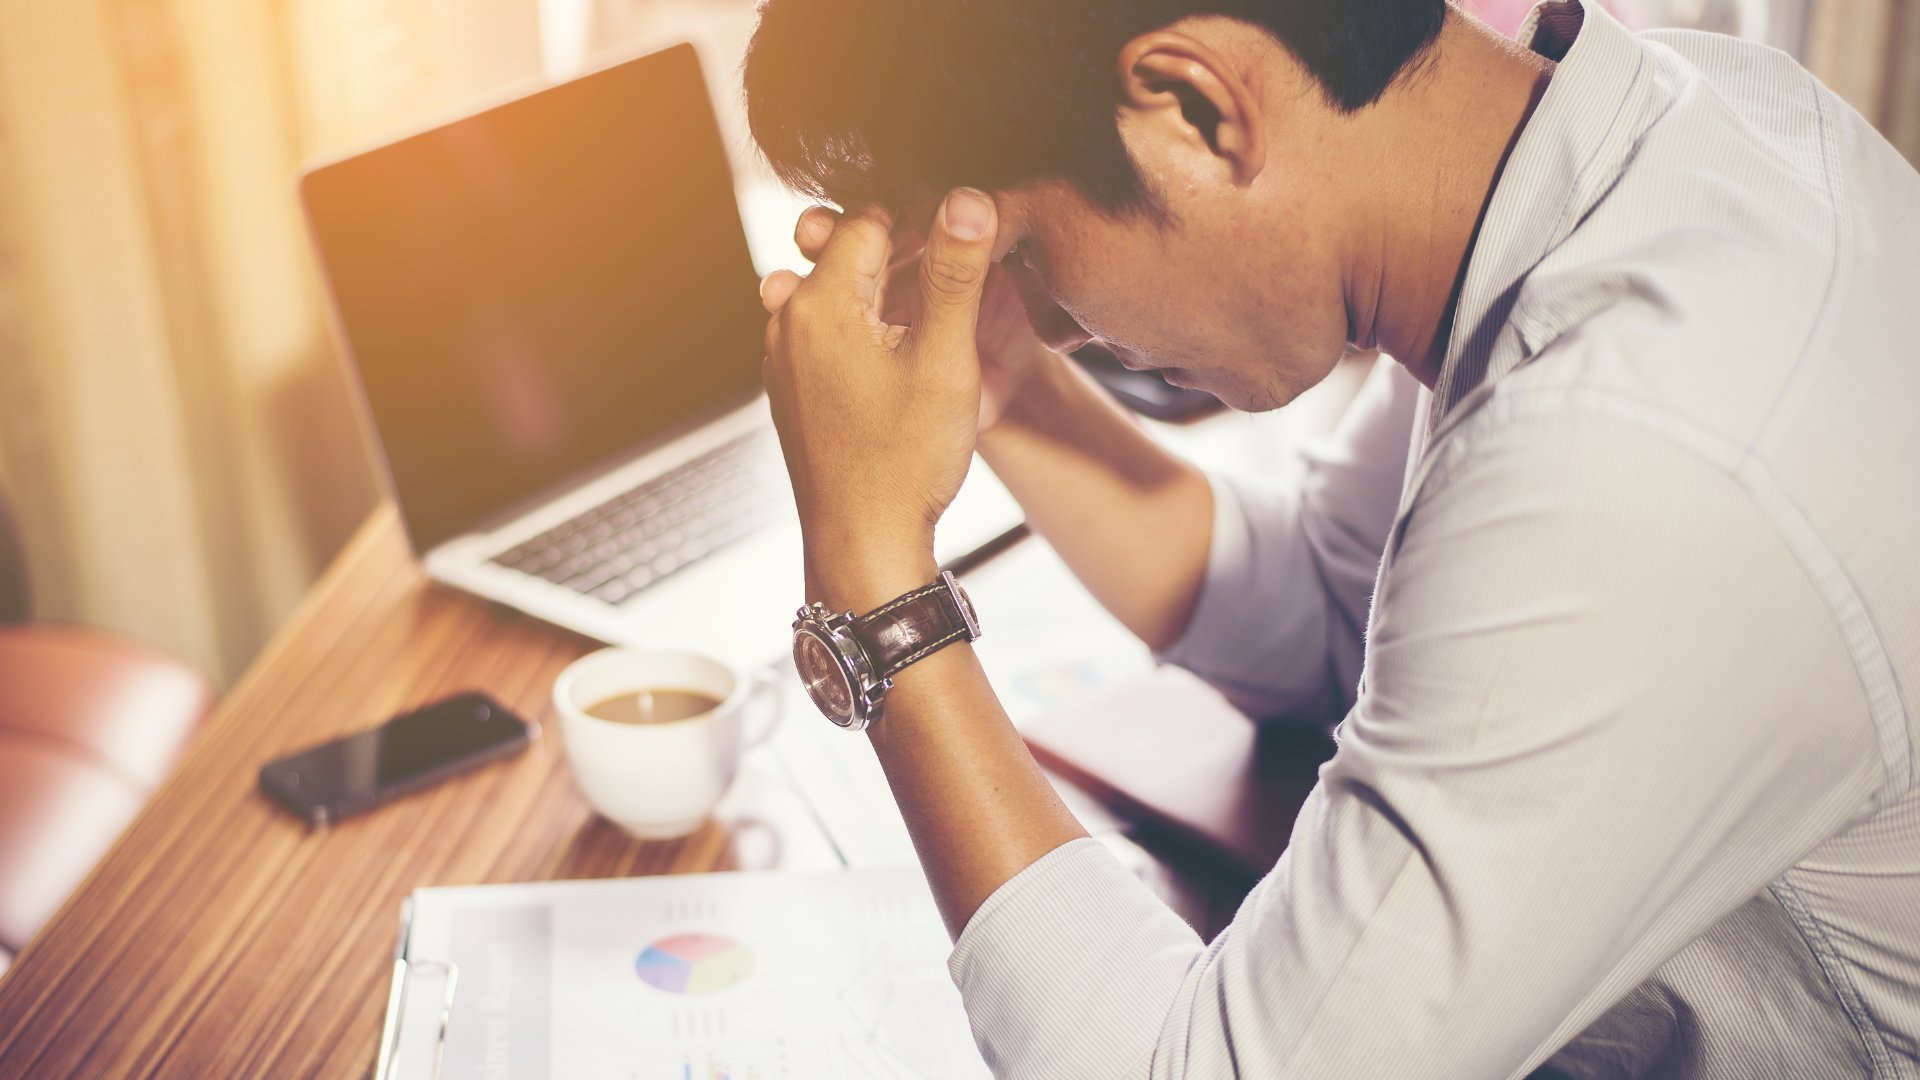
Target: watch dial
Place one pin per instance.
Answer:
(820, 671)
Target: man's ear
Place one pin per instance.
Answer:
(1184, 108)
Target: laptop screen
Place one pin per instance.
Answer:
(531, 291)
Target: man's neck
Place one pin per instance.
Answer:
(1437, 144)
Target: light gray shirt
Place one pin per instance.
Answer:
(1626, 784)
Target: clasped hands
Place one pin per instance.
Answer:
(878, 419)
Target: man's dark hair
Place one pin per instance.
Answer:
(864, 100)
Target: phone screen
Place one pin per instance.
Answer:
(405, 753)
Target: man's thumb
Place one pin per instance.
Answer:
(953, 271)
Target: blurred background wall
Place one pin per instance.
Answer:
(175, 431)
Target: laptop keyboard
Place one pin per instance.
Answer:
(639, 537)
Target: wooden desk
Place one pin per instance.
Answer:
(222, 938)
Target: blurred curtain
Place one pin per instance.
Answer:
(1868, 51)
(175, 433)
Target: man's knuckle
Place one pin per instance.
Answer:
(950, 278)
(852, 310)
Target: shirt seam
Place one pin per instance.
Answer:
(1838, 973)
(1871, 659)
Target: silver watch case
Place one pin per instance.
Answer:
(836, 632)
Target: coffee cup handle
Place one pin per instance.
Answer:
(764, 697)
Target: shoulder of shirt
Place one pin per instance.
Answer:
(1699, 275)
(1581, 450)
(1739, 290)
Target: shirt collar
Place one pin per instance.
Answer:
(1566, 156)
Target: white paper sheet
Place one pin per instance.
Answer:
(739, 976)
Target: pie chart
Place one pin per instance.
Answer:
(694, 963)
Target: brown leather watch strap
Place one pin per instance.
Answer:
(914, 626)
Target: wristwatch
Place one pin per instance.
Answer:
(848, 661)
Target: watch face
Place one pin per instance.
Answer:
(826, 682)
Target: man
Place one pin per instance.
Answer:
(1626, 784)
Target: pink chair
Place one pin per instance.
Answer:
(90, 724)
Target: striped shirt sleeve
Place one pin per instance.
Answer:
(1492, 857)
(1301, 547)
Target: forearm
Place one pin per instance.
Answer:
(1130, 518)
(976, 805)
(878, 428)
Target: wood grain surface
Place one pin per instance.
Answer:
(222, 938)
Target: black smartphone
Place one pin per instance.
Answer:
(409, 752)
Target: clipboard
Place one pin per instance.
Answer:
(768, 974)
(400, 992)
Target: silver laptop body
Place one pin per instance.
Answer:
(553, 323)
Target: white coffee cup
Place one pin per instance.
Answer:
(659, 780)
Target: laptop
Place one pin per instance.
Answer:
(552, 317)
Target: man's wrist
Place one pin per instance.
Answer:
(862, 578)
(1026, 398)
(1034, 400)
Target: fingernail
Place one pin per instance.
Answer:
(968, 214)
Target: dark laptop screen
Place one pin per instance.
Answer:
(528, 292)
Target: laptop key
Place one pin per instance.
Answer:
(613, 592)
(543, 559)
(639, 536)
(588, 580)
(567, 569)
